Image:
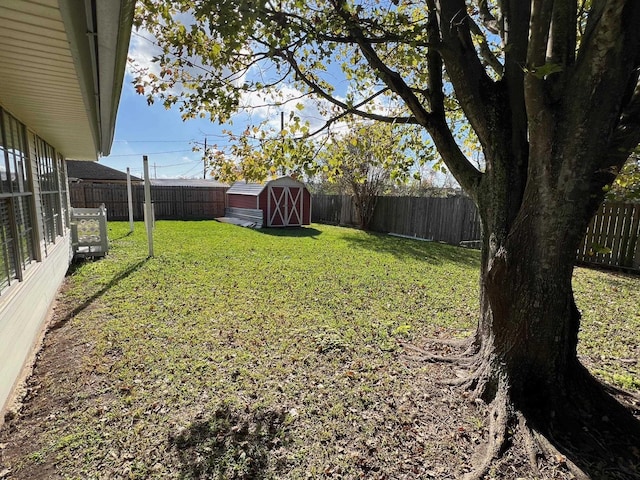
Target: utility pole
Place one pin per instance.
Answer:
(204, 159)
(155, 170)
(281, 134)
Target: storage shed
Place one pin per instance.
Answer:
(283, 202)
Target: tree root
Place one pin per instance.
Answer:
(549, 451)
(499, 417)
(577, 432)
(505, 423)
(476, 382)
(467, 357)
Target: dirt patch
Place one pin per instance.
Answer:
(48, 393)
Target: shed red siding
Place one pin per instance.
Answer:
(262, 202)
(306, 212)
(283, 201)
(241, 201)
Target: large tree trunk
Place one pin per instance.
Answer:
(529, 323)
(526, 365)
(528, 328)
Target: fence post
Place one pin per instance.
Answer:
(148, 208)
(129, 200)
(104, 238)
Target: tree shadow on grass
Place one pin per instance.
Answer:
(599, 429)
(60, 322)
(120, 237)
(433, 252)
(229, 444)
(300, 232)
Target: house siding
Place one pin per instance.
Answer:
(37, 130)
(23, 314)
(26, 301)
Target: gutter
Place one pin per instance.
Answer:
(99, 34)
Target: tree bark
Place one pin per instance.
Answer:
(550, 147)
(528, 328)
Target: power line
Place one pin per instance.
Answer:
(176, 164)
(153, 141)
(191, 169)
(148, 153)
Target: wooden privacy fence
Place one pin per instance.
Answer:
(170, 203)
(612, 239)
(442, 219)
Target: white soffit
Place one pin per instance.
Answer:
(47, 76)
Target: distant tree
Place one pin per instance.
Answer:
(254, 156)
(368, 159)
(365, 181)
(626, 187)
(550, 90)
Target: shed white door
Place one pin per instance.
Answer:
(284, 206)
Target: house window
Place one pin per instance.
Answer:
(64, 193)
(17, 245)
(48, 176)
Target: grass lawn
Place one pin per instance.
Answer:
(237, 353)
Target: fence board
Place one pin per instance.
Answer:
(614, 229)
(612, 238)
(170, 203)
(449, 220)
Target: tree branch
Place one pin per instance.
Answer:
(474, 89)
(562, 40)
(434, 122)
(485, 51)
(535, 93)
(602, 96)
(490, 22)
(353, 109)
(561, 49)
(627, 133)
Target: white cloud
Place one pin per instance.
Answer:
(268, 107)
(256, 107)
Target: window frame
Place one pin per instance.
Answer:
(18, 239)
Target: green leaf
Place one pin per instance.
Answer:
(545, 70)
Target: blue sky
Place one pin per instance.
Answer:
(164, 137)
(168, 141)
(158, 133)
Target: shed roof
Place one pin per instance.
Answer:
(61, 69)
(186, 182)
(244, 188)
(95, 171)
